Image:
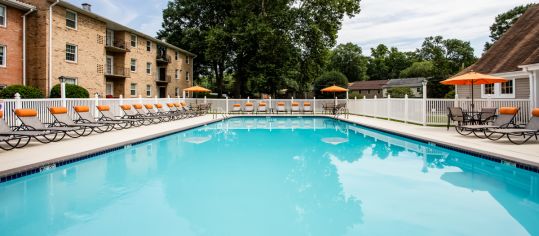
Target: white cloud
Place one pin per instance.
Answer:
(405, 23)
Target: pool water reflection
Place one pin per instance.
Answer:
(275, 176)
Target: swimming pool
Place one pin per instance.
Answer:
(275, 176)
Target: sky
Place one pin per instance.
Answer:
(397, 23)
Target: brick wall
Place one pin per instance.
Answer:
(11, 37)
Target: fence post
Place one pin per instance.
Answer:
(314, 105)
(226, 105)
(205, 101)
(140, 99)
(63, 93)
(96, 102)
(405, 108)
(456, 103)
(155, 99)
(388, 107)
(168, 98)
(121, 99)
(362, 109)
(424, 92)
(489, 102)
(18, 105)
(375, 103)
(269, 102)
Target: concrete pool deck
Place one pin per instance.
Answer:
(39, 155)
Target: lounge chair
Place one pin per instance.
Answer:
(249, 107)
(180, 114)
(281, 107)
(150, 111)
(172, 114)
(518, 135)
(295, 107)
(133, 114)
(19, 139)
(30, 122)
(487, 115)
(106, 115)
(236, 108)
(185, 109)
(505, 119)
(86, 117)
(62, 119)
(307, 107)
(261, 107)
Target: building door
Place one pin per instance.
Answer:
(162, 73)
(109, 65)
(110, 37)
(109, 89)
(162, 91)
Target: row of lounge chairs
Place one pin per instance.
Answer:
(495, 127)
(280, 107)
(136, 115)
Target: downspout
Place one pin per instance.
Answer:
(24, 45)
(50, 46)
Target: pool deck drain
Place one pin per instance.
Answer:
(39, 155)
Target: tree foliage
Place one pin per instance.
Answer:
(503, 22)
(423, 69)
(25, 92)
(399, 92)
(348, 59)
(387, 63)
(329, 79)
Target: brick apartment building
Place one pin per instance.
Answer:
(12, 17)
(105, 57)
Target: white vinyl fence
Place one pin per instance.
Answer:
(409, 110)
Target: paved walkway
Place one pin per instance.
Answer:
(37, 155)
(527, 153)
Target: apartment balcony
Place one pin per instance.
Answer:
(117, 46)
(117, 72)
(163, 79)
(163, 59)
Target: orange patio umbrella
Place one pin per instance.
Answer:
(473, 78)
(334, 89)
(197, 89)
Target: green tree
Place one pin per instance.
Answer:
(418, 69)
(72, 91)
(503, 22)
(348, 59)
(329, 79)
(377, 68)
(25, 92)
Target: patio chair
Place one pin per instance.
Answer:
(261, 107)
(132, 114)
(150, 111)
(249, 107)
(505, 119)
(18, 139)
(62, 119)
(86, 117)
(518, 134)
(236, 108)
(30, 122)
(106, 115)
(281, 107)
(294, 107)
(455, 114)
(307, 107)
(161, 110)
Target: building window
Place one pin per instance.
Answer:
(507, 87)
(3, 52)
(489, 89)
(177, 55)
(148, 90)
(71, 53)
(3, 13)
(109, 89)
(177, 75)
(187, 60)
(148, 46)
(133, 89)
(133, 65)
(499, 90)
(149, 68)
(186, 76)
(133, 40)
(71, 19)
(177, 92)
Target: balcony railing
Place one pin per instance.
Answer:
(165, 79)
(117, 46)
(164, 58)
(117, 71)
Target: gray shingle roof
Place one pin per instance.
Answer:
(406, 82)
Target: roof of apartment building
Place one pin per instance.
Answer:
(17, 4)
(516, 47)
(406, 82)
(117, 26)
(367, 84)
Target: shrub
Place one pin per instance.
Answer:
(25, 92)
(328, 79)
(72, 91)
(450, 94)
(399, 92)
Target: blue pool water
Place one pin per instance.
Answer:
(275, 176)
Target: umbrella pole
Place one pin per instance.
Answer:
(472, 105)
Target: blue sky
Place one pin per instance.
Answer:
(402, 23)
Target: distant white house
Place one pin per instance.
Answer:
(414, 84)
(515, 56)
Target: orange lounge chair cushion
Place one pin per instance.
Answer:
(159, 105)
(81, 108)
(170, 104)
(250, 104)
(178, 104)
(1, 114)
(307, 104)
(237, 105)
(126, 107)
(262, 104)
(148, 106)
(535, 112)
(508, 110)
(295, 104)
(137, 106)
(280, 104)
(183, 103)
(25, 112)
(107, 108)
(58, 110)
